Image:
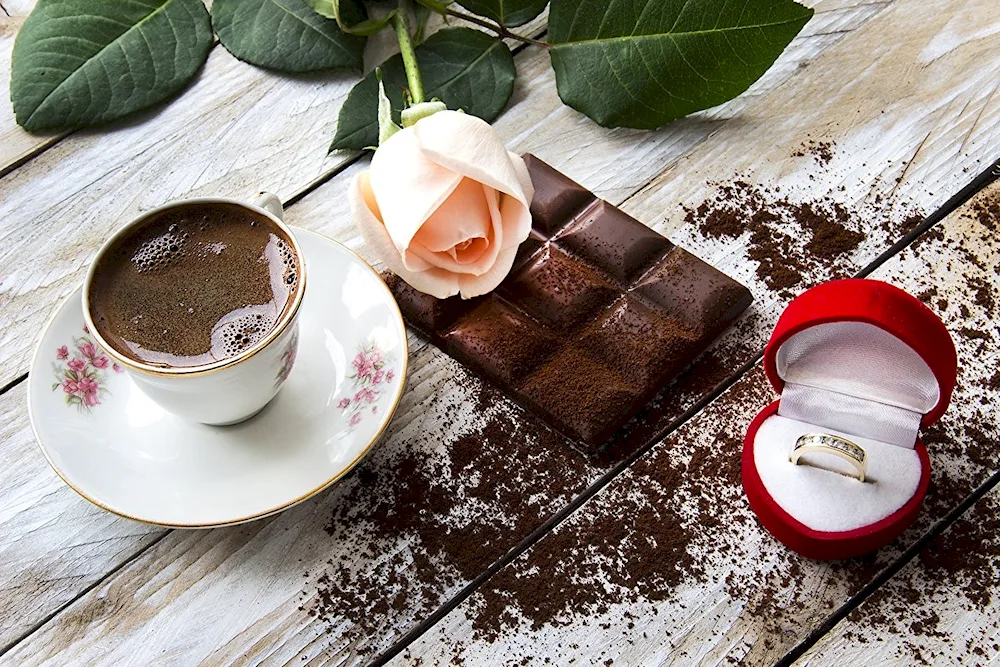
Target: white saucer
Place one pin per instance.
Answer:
(124, 453)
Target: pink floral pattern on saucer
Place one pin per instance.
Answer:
(370, 378)
(81, 373)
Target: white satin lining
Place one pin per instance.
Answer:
(856, 378)
(853, 415)
(859, 359)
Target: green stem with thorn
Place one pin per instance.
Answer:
(401, 23)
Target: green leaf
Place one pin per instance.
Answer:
(84, 62)
(464, 68)
(640, 63)
(285, 35)
(510, 13)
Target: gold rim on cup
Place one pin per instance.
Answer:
(187, 371)
(834, 445)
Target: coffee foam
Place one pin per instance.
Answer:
(241, 329)
(195, 284)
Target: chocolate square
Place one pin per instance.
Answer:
(598, 313)
(638, 342)
(498, 342)
(692, 290)
(613, 241)
(565, 391)
(557, 290)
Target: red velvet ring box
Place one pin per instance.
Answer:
(866, 361)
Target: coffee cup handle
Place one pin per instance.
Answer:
(270, 203)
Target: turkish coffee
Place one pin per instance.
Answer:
(194, 284)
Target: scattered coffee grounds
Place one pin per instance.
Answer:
(598, 313)
(415, 524)
(573, 576)
(987, 212)
(673, 521)
(776, 226)
(457, 496)
(821, 151)
(965, 562)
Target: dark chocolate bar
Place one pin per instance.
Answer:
(597, 314)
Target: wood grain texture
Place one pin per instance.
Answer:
(53, 543)
(941, 609)
(667, 564)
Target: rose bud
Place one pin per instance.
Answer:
(445, 205)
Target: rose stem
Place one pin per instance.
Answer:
(401, 23)
(501, 30)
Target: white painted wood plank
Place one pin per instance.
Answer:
(667, 564)
(942, 609)
(416, 560)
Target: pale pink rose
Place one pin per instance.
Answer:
(445, 205)
(389, 375)
(377, 377)
(70, 387)
(344, 403)
(87, 385)
(90, 399)
(76, 364)
(100, 362)
(88, 350)
(62, 353)
(117, 368)
(355, 419)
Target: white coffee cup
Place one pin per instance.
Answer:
(229, 390)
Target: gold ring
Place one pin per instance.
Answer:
(832, 444)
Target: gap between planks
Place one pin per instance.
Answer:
(982, 180)
(889, 572)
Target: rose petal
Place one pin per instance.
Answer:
(523, 176)
(436, 282)
(469, 252)
(471, 286)
(472, 265)
(467, 145)
(516, 219)
(464, 215)
(407, 186)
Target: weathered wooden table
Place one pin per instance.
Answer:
(471, 535)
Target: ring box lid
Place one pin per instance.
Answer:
(834, 336)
